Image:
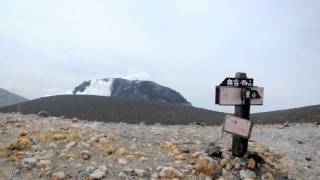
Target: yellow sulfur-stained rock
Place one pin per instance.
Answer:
(21, 144)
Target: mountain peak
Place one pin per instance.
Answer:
(120, 87)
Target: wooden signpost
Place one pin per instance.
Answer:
(241, 93)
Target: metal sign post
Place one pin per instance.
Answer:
(241, 93)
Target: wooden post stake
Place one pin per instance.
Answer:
(239, 144)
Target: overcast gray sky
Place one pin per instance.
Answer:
(47, 46)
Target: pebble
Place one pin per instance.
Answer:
(214, 151)
(53, 146)
(99, 173)
(251, 164)
(140, 172)
(228, 167)
(58, 175)
(122, 161)
(59, 136)
(223, 162)
(43, 164)
(23, 133)
(70, 145)
(237, 166)
(122, 174)
(170, 172)
(86, 155)
(267, 176)
(122, 151)
(143, 159)
(84, 145)
(247, 174)
(29, 162)
(183, 156)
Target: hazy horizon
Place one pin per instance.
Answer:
(190, 46)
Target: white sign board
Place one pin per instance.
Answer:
(238, 126)
(232, 96)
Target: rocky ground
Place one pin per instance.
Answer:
(38, 147)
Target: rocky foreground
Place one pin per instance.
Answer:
(39, 147)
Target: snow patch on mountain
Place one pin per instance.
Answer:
(100, 87)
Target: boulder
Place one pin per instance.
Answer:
(208, 166)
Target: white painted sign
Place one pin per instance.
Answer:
(233, 96)
(238, 126)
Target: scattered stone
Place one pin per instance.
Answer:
(170, 172)
(122, 151)
(43, 114)
(59, 136)
(256, 157)
(140, 172)
(23, 133)
(53, 145)
(237, 166)
(267, 176)
(196, 155)
(223, 162)
(143, 159)
(84, 145)
(122, 174)
(58, 175)
(122, 161)
(86, 155)
(43, 164)
(228, 167)
(89, 170)
(208, 166)
(308, 158)
(99, 173)
(280, 126)
(251, 164)
(214, 151)
(182, 156)
(247, 174)
(29, 162)
(21, 144)
(70, 145)
(300, 142)
(93, 139)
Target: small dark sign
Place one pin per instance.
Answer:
(237, 82)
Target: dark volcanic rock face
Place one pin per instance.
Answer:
(146, 90)
(81, 87)
(118, 87)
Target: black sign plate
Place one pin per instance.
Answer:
(237, 82)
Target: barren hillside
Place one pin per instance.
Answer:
(33, 147)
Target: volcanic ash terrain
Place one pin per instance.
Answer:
(43, 147)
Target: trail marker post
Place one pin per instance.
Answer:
(241, 93)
